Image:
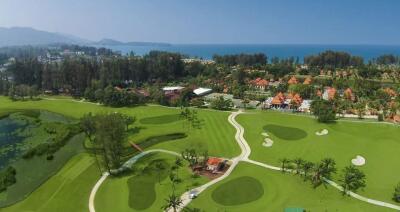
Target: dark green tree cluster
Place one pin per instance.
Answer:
(22, 92)
(221, 103)
(332, 59)
(387, 59)
(107, 134)
(324, 110)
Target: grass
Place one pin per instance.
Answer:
(216, 134)
(68, 190)
(238, 191)
(280, 191)
(165, 119)
(142, 190)
(378, 143)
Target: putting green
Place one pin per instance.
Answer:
(142, 193)
(238, 191)
(165, 119)
(286, 133)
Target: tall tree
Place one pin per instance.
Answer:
(352, 179)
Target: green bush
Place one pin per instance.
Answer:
(7, 178)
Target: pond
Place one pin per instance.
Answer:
(11, 139)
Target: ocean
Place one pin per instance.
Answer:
(206, 51)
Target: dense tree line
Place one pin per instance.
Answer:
(332, 59)
(387, 59)
(76, 73)
(241, 59)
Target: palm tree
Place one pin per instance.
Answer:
(284, 162)
(298, 162)
(316, 178)
(173, 202)
(178, 164)
(159, 167)
(352, 179)
(328, 165)
(307, 167)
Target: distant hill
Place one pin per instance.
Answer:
(111, 42)
(18, 36)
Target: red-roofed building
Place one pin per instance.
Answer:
(259, 84)
(292, 81)
(212, 163)
(307, 81)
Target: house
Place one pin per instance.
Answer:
(348, 94)
(202, 91)
(305, 106)
(307, 81)
(213, 163)
(172, 89)
(329, 93)
(292, 80)
(278, 101)
(259, 83)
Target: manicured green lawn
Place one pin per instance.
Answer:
(238, 191)
(141, 191)
(280, 191)
(68, 190)
(216, 134)
(294, 136)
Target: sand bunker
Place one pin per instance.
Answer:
(265, 134)
(322, 132)
(358, 161)
(268, 142)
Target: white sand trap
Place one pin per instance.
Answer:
(268, 142)
(322, 132)
(358, 161)
(265, 134)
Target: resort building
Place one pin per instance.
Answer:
(329, 93)
(213, 163)
(259, 84)
(202, 91)
(293, 80)
(307, 81)
(172, 89)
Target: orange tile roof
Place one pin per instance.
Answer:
(319, 93)
(390, 91)
(348, 93)
(307, 81)
(213, 161)
(331, 93)
(292, 80)
(259, 82)
(297, 100)
(278, 99)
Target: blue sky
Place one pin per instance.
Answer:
(213, 21)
